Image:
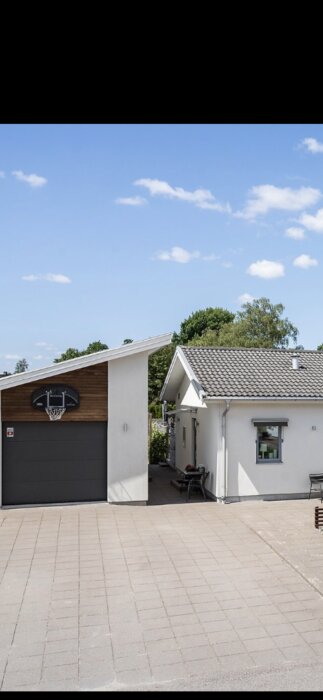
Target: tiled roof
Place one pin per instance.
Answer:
(253, 372)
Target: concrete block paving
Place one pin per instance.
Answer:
(101, 597)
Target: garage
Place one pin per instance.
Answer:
(54, 462)
(77, 431)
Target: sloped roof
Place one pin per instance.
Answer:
(256, 372)
(148, 345)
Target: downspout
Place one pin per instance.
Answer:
(224, 448)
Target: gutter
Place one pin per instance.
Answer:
(263, 398)
(224, 449)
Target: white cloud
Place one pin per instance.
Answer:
(296, 233)
(210, 257)
(131, 201)
(246, 298)
(177, 254)
(267, 269)
(49, 277)
(227, 264)
(204, 199)
(313, 222)
(38, 357)
(12, 357)
(305, 261)
(312, 145)
(180, 255)
(263, 198)
(2, 175)
(32, 180)
(41, 344)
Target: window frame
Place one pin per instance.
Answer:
(277, 460)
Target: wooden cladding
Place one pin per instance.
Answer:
(90, 382)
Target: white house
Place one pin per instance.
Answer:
(98, 449)
(252, 417)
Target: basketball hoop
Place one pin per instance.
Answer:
(55, 412)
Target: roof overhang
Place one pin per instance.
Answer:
(149, 346)
(178, 369)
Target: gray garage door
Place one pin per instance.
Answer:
(54, 462)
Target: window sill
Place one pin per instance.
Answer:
(269, 461)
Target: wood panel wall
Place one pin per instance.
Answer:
(90, 382)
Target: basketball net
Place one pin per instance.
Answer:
(55, 413)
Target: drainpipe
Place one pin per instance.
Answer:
(224, 448)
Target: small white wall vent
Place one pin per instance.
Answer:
(295, 361)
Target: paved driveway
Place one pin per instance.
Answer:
(181, 595)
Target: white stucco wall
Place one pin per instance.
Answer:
(128, 448)
(208, 442)
(301, 448)
(184, 453)
(207, 437)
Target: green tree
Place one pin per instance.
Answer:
(127, 341)
(96, 346)
(71, 353)
(320, 347)
(158, 366)
(208, 339)
(259, 325)
(199, 322)
(21, 366)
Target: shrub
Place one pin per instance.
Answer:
(158, 448)
(155, 409)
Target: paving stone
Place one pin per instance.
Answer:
(56, 673)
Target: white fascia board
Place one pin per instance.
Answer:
(179, 355)
(191, 375)
(149, 345)
(170, 371)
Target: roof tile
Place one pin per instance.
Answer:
(249, 372)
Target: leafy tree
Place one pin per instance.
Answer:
(320, 347)
(259, 325)
(96, 346)
(158, 366)
(70, 353)
(21, 366)
(208, 339)
(199, 322)
(127, 341)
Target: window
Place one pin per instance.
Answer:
(269, 441)
(184, 436)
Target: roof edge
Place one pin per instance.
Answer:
(189, 372)
(241, 349)
(149, 345)
(263, 398)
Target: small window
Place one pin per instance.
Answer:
(269, 443)
(184, 436)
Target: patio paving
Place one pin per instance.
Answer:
(162, 492)
(106, 597)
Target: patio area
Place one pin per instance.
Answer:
(161, 491)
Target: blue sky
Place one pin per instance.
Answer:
(121, 231)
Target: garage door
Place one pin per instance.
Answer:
(54, 462)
